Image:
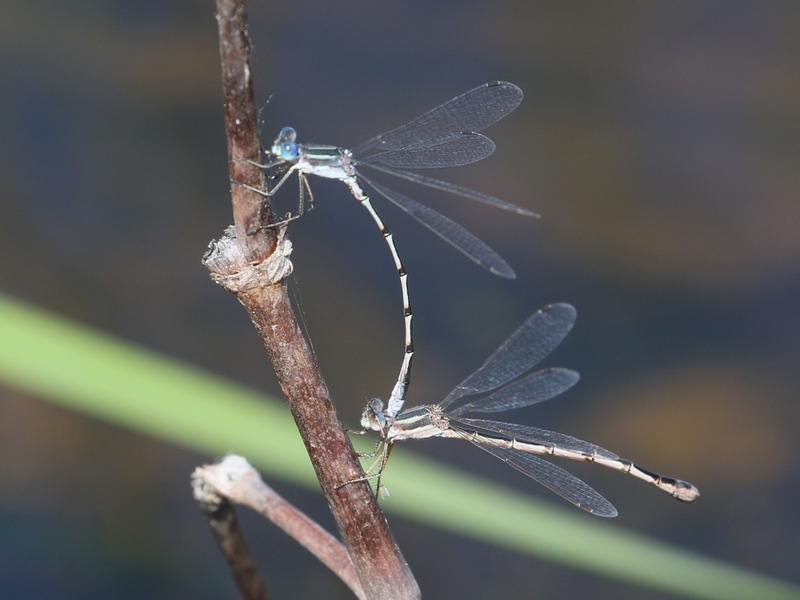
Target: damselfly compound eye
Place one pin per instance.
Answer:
(289, 150)
(285, 150)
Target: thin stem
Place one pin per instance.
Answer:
(222, 520)
(236, 480)
(380, 566)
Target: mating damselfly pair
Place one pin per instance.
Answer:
(448, 136)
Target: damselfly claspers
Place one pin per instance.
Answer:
(446, 136)
(501, 384)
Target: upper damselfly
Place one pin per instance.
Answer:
(446, 136)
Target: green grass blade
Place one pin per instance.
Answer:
(79, 368)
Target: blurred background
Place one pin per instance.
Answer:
(660, 144)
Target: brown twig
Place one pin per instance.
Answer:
(222, 520)
(244, 262)
(250, 212)
(236, 480)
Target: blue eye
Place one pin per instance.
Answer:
(285, 150)
(284, 146)
(289, 150)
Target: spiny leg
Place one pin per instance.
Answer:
(312, 203)
(368, 473)
(301, 196)
(387, 451)
(365, 432)
(379, 460)
(358, 480)
(357, 431)
(269, 193)
(274, 163)
(273, 191)
(371, 454)
(302, 186)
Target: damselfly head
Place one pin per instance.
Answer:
(373, 418)
(284, 146)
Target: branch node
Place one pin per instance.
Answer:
(211, 482)
(234, 480)
(226, 260)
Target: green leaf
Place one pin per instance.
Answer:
(107, 378)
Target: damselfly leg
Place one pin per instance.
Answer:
(312, 203)
(382, 451)
(303, 187)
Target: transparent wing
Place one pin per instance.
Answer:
(555, 479)
(525, 348)
(536, 387)
(474, 110)
(463, 149)
(451, 188)
(534, 435)
(447, 229)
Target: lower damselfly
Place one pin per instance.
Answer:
(504, 383)
(445, 136)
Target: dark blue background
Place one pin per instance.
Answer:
(659, 142)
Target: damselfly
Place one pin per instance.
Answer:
(501, 384)
(446, 136)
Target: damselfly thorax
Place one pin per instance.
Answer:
(330, 162)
